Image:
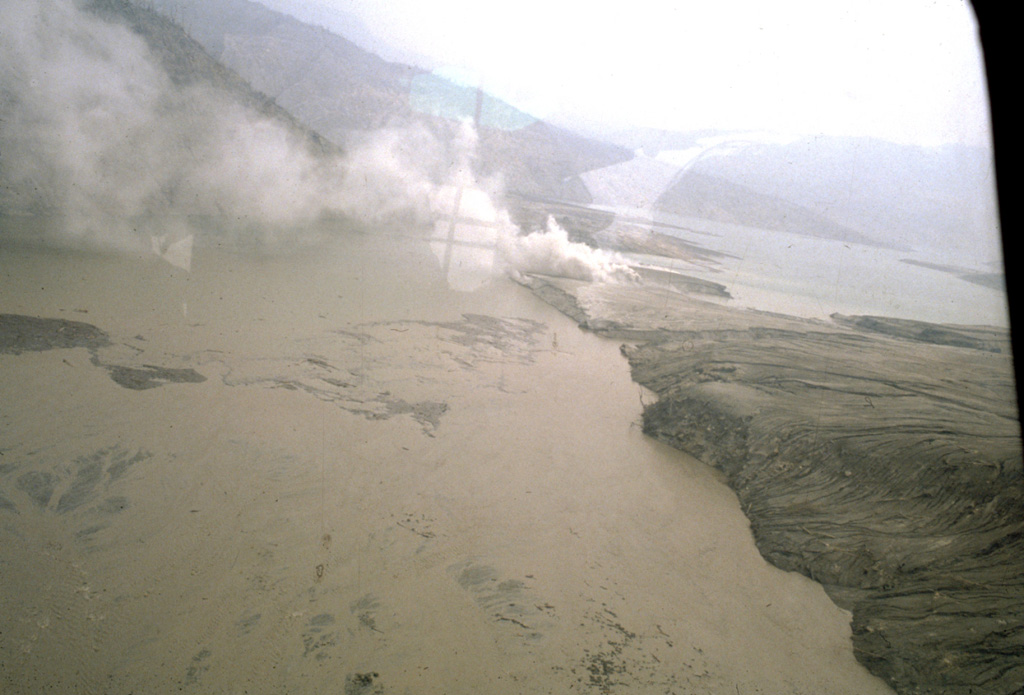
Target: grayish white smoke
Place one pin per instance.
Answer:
(552, 253)
(95, 132)
(96, 136)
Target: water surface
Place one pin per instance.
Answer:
(383, 485)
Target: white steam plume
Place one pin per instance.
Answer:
(551, 253)
(468, 214)
(95, 134)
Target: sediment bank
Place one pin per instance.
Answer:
(881, 459)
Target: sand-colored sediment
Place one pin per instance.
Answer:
(381, 486)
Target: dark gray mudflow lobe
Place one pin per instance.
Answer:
(880, 457)
(32, 334)
(20, 334)
(150, 376)
(887, 470)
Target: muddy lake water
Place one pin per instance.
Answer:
(376, 484)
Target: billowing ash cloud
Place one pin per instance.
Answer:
(97, 137)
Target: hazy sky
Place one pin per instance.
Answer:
(907, 70)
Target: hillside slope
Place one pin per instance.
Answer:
(694, 194)
(338, 88)
(902, 196)
(186, 62)
(115, 127)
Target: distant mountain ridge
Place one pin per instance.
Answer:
(338, 88)
(187, 62)
(709, 197)
(852, 189)
(322, 85)
(896, 195)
